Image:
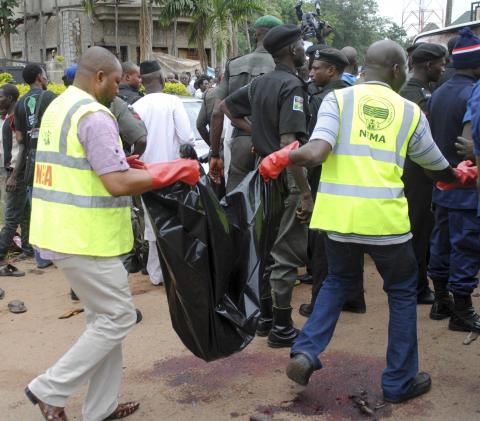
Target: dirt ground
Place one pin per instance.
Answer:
(172, 384)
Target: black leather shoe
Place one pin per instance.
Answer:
(305, 278)
(426, 296)
(442, 306)
(305, 310)
(464, 317)
(299, 369)
(421, 384)
(282, 334)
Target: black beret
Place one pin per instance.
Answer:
(149, 66)
(332, 56)
(413, 47)
(310, 51)
(428, 52)
(281, 36)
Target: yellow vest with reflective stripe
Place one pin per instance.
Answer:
(72, 212)
(361, 190)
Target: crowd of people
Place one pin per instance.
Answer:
(380, 163)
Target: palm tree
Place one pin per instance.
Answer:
(221, 17)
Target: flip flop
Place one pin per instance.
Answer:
(17, 306)
(10, 270)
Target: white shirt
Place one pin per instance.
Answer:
(167, 124)
(168, 127)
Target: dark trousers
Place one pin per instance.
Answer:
(17, 212)
(40, 261)
(455, 249)
(418, 191)
(242, 161)
(345, 266)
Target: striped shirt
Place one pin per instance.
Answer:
(421, 149)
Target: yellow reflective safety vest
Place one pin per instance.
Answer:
(361, 190)
(72, 212)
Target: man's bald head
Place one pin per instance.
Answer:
(386, 62)
(97, 59)
(352, 57)
(99, 73)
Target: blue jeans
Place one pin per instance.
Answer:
(398, 268)
(41, 263)
(455, 249)
(17, 212)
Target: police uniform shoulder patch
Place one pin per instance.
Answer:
(298, 103)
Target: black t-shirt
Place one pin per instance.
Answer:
(277, 104)
(27, 121)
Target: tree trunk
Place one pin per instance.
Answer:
(247, 35)
(145, 32)
(8, 46)
(174, 38)
(25, 20)
(43, 50)
(234, 40)
(230, 39)
(117, 42)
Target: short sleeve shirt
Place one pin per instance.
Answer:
(25, 118)
(277, 103)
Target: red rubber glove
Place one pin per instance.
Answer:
(466, 174)
(167, 173)
(134, 162)
(273, 164)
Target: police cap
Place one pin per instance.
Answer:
(413, 47)
(149, 66)
(267, 21)
(310, 51)
(281, 36)
(428, 52)
(332, 56)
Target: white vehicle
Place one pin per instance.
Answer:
(192, 106)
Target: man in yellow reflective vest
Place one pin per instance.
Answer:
(81, 221)
(363, 136)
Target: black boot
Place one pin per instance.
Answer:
(442, 306)
(464, 317)
(266, 317)
(283, 334)
(306, 310)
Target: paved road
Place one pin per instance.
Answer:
(174, 385)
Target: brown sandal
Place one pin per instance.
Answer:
(123, 410)
(49, 412)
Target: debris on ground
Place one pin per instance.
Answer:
(362, 403)
(17, 306)
(71, 313)
(472, 336)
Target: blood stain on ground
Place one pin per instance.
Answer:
(329, 390)
(328, 393)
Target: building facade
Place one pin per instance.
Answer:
(62, 27)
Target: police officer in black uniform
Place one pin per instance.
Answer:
(278, 105)
(428, 62)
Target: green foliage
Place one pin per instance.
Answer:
(175, 89)
(7, 25)
(56, 88)
(59, 58)
(5, 77)
(356, 22)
